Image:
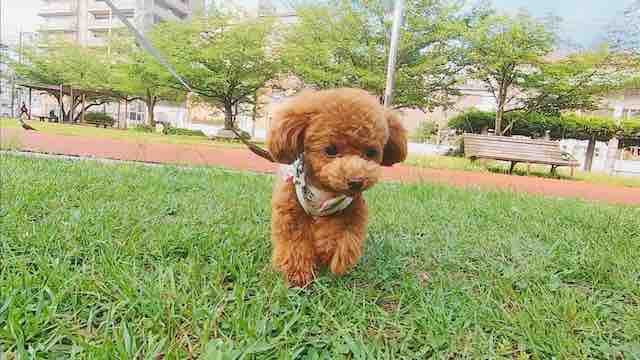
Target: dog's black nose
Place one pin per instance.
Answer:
(355, 184)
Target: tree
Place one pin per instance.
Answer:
(503, 51)
(591, 128)
(346, 43)
(223, 59)
(624, 39)
(558, 126)
(139, 75)
(63, 63)
(577, 82)
(624, 32)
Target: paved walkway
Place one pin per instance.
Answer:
(242, 159)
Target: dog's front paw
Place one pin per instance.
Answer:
(299, 279)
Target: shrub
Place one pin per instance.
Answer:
(425, 131)
(143, 128)
(473, 121)
(170, 130)
(99, 119)
(630, 127)
(574, 126)
(584, 127)
(533, 124)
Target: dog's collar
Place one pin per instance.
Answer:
(314, 201)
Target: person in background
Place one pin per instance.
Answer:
(24, 110)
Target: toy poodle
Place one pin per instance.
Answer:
(335, 142)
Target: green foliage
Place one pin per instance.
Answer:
(139, 75)
(68, 63)
(630, 127)
(473, 121)
(425, 131)
(223, 59)
(99, 119)
(170, 130)
(345, 43)
(566, 126)
(578, 82)
(502, 51)
(630, 70)
(144, 128)
(586, 127)
(103, 261)
(534, 124)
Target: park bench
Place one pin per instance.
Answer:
(627, 167)
(99, 121)
(517, 150)
(47, 118)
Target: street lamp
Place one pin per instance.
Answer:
(393, 51)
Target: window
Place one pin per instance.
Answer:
(106, 15)
(629, 113)
(136, 111)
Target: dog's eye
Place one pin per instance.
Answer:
(331, 150)
(371, 153)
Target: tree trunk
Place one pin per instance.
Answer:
(150, 101)
(229, 122)
(64, 113)
(254, 114)
(588, 160)
(502, 96)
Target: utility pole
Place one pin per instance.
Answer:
(393, 51)
(109, 34)
(1, 53)
(20, 47)
(13, 77)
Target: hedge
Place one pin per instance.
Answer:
(99, 119)
(573, 126)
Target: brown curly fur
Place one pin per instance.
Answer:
(355, 123)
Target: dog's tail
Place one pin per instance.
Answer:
(255, 148)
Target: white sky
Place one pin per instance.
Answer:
(585, 20)
(16, 15)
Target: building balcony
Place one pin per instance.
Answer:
(57, 9)
(104, 24)
(58, 27)
(100, 8)
(179, 8)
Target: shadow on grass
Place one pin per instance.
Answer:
(501, 169)
(456, 163)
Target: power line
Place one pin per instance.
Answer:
(146, 44)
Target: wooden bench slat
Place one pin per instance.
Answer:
(516, 150)
(532, 151)
(520, 156)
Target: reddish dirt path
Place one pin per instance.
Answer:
(242, 159)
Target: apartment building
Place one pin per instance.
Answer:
(10, 98)
(89, 22)
(5, 85)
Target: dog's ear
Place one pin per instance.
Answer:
(395, 150)
(286, 135)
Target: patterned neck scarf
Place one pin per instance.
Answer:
(314, 201)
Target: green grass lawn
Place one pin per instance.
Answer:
(461, 163)
(117, 134)
(102, 261)
(434, 162)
